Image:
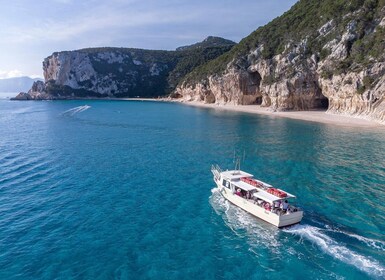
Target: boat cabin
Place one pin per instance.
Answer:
(264, 195)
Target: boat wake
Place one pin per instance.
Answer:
(71, 112)
(262, 235)
(244, 225)
(339, 251)
(374, 244)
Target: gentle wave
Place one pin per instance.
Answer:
(21, 165)
(75, 110)
(339, 251)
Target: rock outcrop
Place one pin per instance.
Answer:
(37, 92)
(335, 64)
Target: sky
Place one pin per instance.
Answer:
(32, 30)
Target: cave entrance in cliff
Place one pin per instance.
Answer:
(255, 79)
(254, 86)
(258, 101)
(322, 103)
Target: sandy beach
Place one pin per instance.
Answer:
(312, 116)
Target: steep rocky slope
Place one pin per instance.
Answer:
(121, 72)
(106, 72)
(319, 54)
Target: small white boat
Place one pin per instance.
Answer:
(256, 197)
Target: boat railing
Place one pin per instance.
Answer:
(276, 210)
(216, 170)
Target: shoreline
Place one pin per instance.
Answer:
(318, 116)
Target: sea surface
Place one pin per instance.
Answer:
(123, 190)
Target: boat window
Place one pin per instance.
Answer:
(226, 184)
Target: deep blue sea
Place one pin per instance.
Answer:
(123, 190)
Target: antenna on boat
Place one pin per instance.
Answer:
(237, 161)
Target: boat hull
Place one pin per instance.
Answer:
(251, 207)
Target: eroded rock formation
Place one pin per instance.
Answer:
(37, 92)
(327, 67)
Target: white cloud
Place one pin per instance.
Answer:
(10, 74)
(16, 73)
(32, 30)
(97, 21)
(36, 77)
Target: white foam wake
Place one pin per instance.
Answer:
(339, 251)
(373, 243)
(244, 225)
(376, 244)
(76, 110)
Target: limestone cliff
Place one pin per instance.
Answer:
(122, 72)
(320, 54)
(109, 72)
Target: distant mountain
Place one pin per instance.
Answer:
(16, 84)
(209, 42)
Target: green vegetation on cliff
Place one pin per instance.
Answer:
(189, 59)
(209, 42)
(301, 24)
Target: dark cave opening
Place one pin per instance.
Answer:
(324, 103)
(258, 100)
(321, 103)
(255, 79)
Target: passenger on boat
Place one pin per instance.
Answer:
(238, 192)
(285, 205)
(276, 207)
(267, 206)
(277, 204)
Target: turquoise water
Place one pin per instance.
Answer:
(123, 190)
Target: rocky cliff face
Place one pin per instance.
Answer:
(336, 63)
(121, 72)
(107, 73)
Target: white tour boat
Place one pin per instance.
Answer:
(256, 197)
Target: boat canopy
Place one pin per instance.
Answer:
(234, 175)
(264, 195)
(244, 186)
